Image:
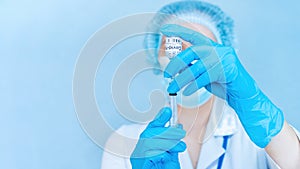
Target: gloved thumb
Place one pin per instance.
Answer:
(163, 116)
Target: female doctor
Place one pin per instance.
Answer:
(226, 121)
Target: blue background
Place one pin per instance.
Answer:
(39, 44)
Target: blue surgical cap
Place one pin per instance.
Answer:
(192, 11)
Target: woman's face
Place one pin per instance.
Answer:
(162, 58)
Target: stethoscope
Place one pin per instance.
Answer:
(221, 159)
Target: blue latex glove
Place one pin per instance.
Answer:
(218, 69)
(158, 146)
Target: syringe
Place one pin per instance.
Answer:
(173, 46)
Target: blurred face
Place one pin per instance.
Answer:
(163, 60)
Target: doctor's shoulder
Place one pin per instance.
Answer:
(124, 138)
(119, 146)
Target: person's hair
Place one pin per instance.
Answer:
(192, 11)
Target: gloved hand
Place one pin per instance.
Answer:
(218, 69)
(158, 146)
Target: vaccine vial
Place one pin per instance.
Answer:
(173, 105)
(173, 46)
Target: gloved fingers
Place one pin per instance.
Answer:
(163, 157)
(180, 62)
(149, 163)
(174, 163)
(189, 35)
(201, 81)
(185, 77)
(162, 161)
(155, 147)
(215, 74)
(206, 57)
(172, 133)
(158, 162)
(186, 57)
(179, 126)
(180, 147)
(167, 160)
(161, 118)
(217, 89)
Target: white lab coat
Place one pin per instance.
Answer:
(241, 152)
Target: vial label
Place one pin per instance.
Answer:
(173, 46)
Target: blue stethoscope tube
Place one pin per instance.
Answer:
(221, 159)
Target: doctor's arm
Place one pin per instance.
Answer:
(284, 148)
(218, 69)
(115, 159)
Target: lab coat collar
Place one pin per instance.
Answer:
(225, 119)
(210, 152)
